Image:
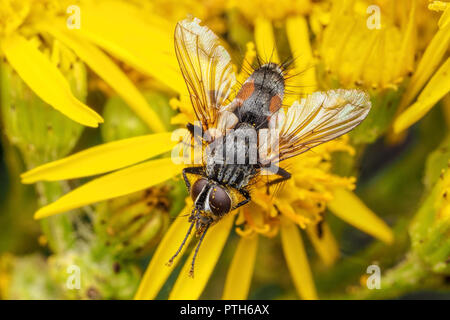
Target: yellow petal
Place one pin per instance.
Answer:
(441, 6)
(298, 36)
(113, 185)
(143, 41)
(187, 288)
(265, 40)
(427, 65)
(296, 260)
(157, 272)
(434, 91)
(101, 64)
(106, 157)
(325, 245)
(347, 206)
(405, 60)
(444, 21)
(240, 272)
(46, 80)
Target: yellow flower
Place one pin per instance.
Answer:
(357, 51)
(431, 76)
(374, 44)
(209, 11)
(373, 51)
(301, 203)
(29, 28)
(271, 9)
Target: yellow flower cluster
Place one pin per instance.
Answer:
(271, 9)
(335, 44)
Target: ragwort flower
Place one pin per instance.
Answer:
(375, 45)
(29, 28)
(430, 79)
(302, 203)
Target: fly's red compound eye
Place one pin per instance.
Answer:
(219, 201)
(197, 187)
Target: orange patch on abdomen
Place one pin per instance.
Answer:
(246, 90)
(275, 103)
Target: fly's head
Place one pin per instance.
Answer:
(211, 202)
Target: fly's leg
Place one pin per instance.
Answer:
(247, 199)
(284, 176)
(193, 129)
(192, 170)
(196, 132)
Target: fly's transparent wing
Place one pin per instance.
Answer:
(206, 67)
(318, 118)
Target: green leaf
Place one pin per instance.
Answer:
(437, 162)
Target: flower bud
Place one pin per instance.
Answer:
(132, 225)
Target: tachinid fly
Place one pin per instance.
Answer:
(236, 151)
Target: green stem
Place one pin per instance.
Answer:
(58, 230)
(410, 275)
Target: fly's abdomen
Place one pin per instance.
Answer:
(260, 96)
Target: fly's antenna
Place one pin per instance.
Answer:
(169, 263)
(191, 271)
